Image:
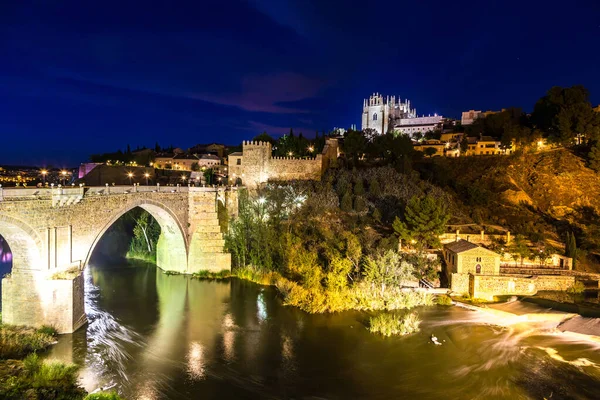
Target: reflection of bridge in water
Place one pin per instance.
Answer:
(52, 234)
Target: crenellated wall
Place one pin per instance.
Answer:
(256, 165)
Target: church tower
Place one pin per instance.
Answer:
(376, 113)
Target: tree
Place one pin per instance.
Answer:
(429, 151)
(195, 166)
(145, 233)
(359, 204)
(464, 144)
(425, 218)
(376, 215)
(519, 249)
(387, 270)
(374, 188)
(594, 157)
(359, 188)
(566, 113)
(346, 204)
(264, 137)
(354, 146)
(571, 247)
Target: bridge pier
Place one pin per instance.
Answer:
(34, 299)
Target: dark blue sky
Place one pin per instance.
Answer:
(78, 77)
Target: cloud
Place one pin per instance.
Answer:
(270, 94)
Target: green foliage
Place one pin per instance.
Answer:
(566, 113)
(359, 204)
(425, 218)
(264, 137)
(18, 341)
(444, 300)
(388, 324)
(346, 203)
(385, 270)
(359, 188)
(571, 247)
(519, 249)
(34, 379)
(594, 157)
(146, 232)
(374, 188)
(429, 151)
(205, 274)
(577, 288)
(103, 396)
(376, 215)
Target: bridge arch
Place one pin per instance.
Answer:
(172, 246)
(24, 242)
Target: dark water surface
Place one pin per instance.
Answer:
(155, 336)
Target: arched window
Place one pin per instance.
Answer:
(478, 269)
(374, 117)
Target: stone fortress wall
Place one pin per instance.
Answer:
(257, 165)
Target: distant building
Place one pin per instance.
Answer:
(185, 161)
(468, 117)
(437, 145)
(485, 146)
(385, 115)
(597, 108)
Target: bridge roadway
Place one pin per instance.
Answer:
(52, 233)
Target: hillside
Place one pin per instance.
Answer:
(541, 195)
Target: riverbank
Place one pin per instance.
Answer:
(23, 375)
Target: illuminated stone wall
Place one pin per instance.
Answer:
(259, 166)
(488, 286)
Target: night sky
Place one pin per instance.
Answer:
(82, 77)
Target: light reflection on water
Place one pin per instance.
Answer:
(172, 337)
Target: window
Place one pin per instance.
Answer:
(239, 161)
(374, 117)
(478, 269)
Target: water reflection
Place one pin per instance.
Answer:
(173, 337)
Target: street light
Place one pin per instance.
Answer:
(130, 175)
(147, 175)
(44, 173)
(64, 176)
(311, 149)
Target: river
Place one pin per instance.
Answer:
(155, 336)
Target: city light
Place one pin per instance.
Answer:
(311, 149)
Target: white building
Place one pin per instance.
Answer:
(423, 124)
(388, 114)
(379, 112)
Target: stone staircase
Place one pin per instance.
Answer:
(207, 243)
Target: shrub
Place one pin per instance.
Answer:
(391, 324)
(18, 341)
(346, 204)
(205, 274)
(103, 396)
(444, 300)
(48, 330)
(577, 288)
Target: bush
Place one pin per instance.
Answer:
(444, 300)
(391, 324)
(577, 288)
(18, 341)
(34, 379)
(103, 396)
(205, 274)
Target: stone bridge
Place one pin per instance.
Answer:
(52, 233)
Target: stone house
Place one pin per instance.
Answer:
(463, 257)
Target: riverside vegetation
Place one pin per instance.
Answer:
(329, 246)
(24, 375)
